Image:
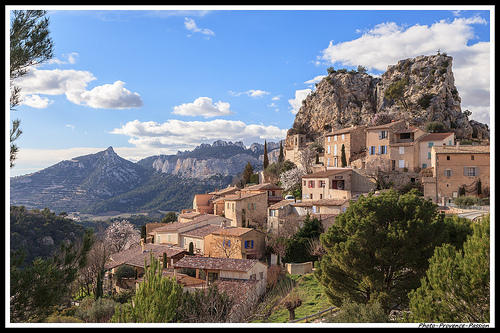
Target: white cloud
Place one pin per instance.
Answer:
(203, 106)
(252, 93)
(316, 79)
(387, 43)
(296, 103)
(181, 135)
(36, 101)
(71, 59)
(191, 26)
(108, 96)
(73, 84)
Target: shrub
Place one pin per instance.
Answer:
(466, 200)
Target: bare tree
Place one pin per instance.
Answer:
(379, 170)
(225, 245)
(121, 235)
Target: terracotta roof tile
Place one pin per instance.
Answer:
(221, 264)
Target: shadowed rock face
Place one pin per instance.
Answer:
(427, 93)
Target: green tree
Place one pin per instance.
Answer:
(378, 249)
(169, 217)
(352, 312)
(456, 287)
(30, 45)
(266, 158)
(156, 300)
(343, 159)
(37, 288)
(281, 157)
(396, 91)
(297, 247)
(247, 173)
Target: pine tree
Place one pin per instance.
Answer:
(457, 285)
(266, 158)
(156, 300)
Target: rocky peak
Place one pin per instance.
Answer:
(419, 90)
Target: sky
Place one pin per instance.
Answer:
(154, 80)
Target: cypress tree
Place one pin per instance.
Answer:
(281, 157)
(343, 159)
(266, 159)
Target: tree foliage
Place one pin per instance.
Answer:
(156, 300)
(30, 45)
(378, 250)
(297, 247)
(456, 287)
(35, 289)
(205, 306)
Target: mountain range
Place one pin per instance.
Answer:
(104, 182)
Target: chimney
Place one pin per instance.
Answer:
(458, 145)
(143, 246)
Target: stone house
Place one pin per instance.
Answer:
(404, 149)
(236, 242)
(426, 142)
(274, 192)
(202, 203)
(226, 268)
(197, 238)
(138, 257)
(457, 167)
(294, 144)
(246, 208)
(328, 184)
(173, 233)
(278, 213)
(354, 141)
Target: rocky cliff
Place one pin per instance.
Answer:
(419, 90)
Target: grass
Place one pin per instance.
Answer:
(311, 293)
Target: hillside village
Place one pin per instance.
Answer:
(222, 238)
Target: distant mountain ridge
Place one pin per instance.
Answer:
(104, 181)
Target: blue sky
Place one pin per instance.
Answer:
(150, 80)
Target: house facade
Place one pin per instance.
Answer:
(236, 242)
(246, 209)
(354, 141)
(328, 184)
(457, 167)
(226, 268)
(170, 234)
(430, 140)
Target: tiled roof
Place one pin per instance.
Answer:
(177, 225)
(327, 173)
(344, 130)
(202, 231)
(265, 186)
(282, 203)
(388, 125)
(240, 196)
(219, 264)
(232, 231)
(462, 150)
(434, 136)
(135, 256)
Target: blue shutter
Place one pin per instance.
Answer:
(251, 244)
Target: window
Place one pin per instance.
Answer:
(328, 148)
(328, 161)
(448, 173)
(382, 149)
(450, 143)
(273, 212)
(343, 136)
(335, 150)
(372, 150)
(249, 244)
(424, 165)
(472, 157)
(382, 135)
(329, 138)
(429, 155)
(226, 243)
(401, 150)
(335, 138)
(401, 164)
(471, 171)
(404, 136)
(447, 158)
(311, 184)
(322, 183)
(430, 144)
